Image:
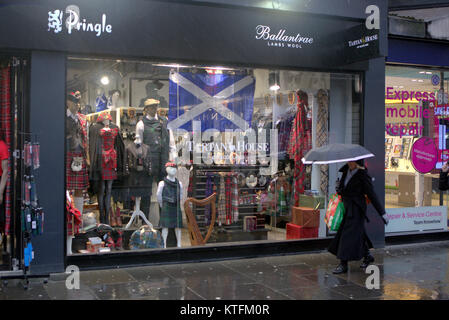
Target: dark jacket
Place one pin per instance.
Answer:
(443, 184)
(351, 241)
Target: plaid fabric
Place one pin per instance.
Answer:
(109, 155)
(74, 219)
(234, 199)
(209, 191)
(221, 208)
(228, 200)
(76, 180)
(5, 123)
(300, 141)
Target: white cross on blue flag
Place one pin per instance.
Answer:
(218, 101)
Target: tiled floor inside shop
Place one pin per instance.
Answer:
(419, 271)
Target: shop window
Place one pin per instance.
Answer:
(143, 137)
(415, 104)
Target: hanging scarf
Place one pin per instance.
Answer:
(234, 199)
(299, 143)
(209, 191)
(228, 200)
(221, 212)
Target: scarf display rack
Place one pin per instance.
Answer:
(31, 213)
(230, 228)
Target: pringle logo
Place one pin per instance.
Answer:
(281, 39)
(74, 22)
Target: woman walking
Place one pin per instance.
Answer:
(351, 242)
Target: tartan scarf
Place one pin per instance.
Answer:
(298, 145)
(234, 199)
(228, 200)
(221, 209)
(209, 191)
(5, 122)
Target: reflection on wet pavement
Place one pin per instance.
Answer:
(408, 272)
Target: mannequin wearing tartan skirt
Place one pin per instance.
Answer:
(77, 179)
(169, 193)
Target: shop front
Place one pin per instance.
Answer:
(416, 138)
(173, 132)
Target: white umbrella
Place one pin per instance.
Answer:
(336, 152)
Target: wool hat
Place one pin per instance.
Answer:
(170, 164)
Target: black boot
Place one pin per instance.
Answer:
(367, 261)
(341, 268)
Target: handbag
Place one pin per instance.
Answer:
(334, 212)
(77, 164)
(146, 237)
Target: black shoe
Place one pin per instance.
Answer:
(340, 269)
(367, 261)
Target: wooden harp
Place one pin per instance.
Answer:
(196, 238)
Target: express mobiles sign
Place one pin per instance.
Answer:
(75, 22)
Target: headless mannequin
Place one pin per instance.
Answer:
(171, 175)
(114, 100)
(78, 198)
(104, 194)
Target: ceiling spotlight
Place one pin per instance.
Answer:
(428, 72)
(414, 80)
(422, 72)
(104, 80)
(420, 80)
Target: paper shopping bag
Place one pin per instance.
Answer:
(334, 213)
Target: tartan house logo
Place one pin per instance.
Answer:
(74, 22)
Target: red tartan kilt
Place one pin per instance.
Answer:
(76, 180)
(109, 174)
(109, 169)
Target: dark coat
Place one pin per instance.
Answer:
(95, 168)
(443, 182)
(351, 241)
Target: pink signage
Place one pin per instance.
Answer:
(424, 155)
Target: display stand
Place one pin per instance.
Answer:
(32, 215)
(136, 214)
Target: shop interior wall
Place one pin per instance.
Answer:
(47, 114)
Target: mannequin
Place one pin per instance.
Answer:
(77, 179)
(105, 143)
(169, 196)
(109, 167)
(101, 101)
(152, 132)
(114, 97)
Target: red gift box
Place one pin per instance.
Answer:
(297, 232)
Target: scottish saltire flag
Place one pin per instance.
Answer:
(219, 101)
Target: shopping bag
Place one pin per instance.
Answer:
(334, 213)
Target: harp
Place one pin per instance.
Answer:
(196, 238)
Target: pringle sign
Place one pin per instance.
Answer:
(75, 22)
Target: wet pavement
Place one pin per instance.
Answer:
(407, 272)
